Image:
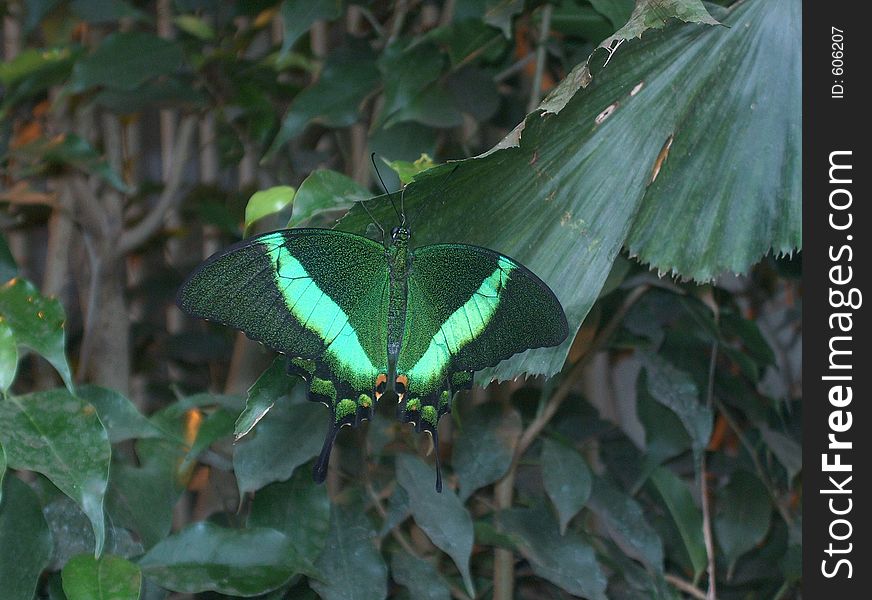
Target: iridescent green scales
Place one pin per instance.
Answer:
(359, 320)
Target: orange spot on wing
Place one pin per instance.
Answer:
(380, 381)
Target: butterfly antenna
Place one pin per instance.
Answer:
(372, 218)
(402, 217)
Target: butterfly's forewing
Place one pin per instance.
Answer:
(469, 308)
(320, 296)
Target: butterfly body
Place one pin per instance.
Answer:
(360, 320)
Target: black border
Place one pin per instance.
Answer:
(831, 124)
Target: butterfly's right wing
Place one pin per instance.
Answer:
(318, 295)
(469, 308)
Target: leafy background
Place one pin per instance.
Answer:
(642, 159)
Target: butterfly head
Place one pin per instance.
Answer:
(400, 234)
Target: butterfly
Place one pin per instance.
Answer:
(359, 319)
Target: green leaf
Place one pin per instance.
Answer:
(289, 436)
(566, 560)
(142, 498)
(8, 356)
(348, 77)
(785, 449)
(625, 521)
(562, 194)
(195, 26)
(617, 11)
(206, 557)
(567, 479)
(654, 14)
(25, 541)
(73, 534)
(120, 418)
(325, 194)
(267, 202)
(406, 73)
(687, 517)
(499, 13)
(36, 322)
(352, 567)
(406, 170)
(398, 510)
(580, 19)
(677, 391)
(107, 578)
(483, 451)
(441, 515)
(434, 106)
(299, 15)
(744, 515)
(32, 61)
(272, 384)
(639, 583)
(419, 576)
(299, 508)
(60, 436)
(665, 436)
(125, 60)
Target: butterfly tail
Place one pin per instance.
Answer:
(319, 472)
(435, 433)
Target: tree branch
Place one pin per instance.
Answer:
(142, 231)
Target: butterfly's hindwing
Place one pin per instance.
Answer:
(319, 296)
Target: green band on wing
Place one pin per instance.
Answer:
(463, 326)
(321, 315)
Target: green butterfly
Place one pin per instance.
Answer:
(360, 319)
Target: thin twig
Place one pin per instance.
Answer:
(142, 231)
(708, 537)
(544, 31)
(684, 586)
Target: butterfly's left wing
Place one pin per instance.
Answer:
(320, 296)
(468, 308)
